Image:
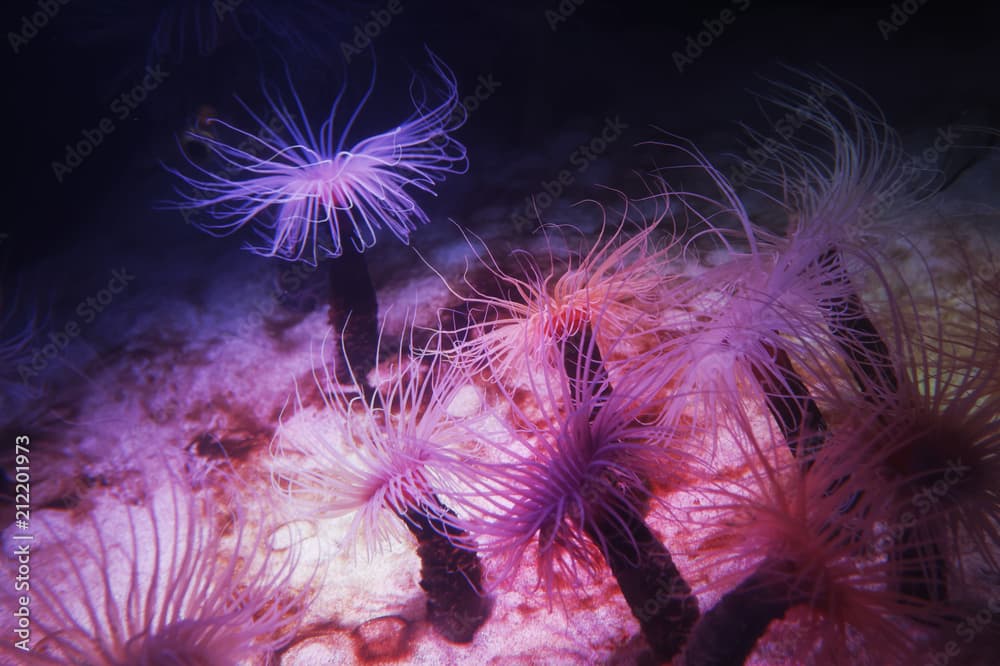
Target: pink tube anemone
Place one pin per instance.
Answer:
(616, 277)
(375, 459)
(394, 462)
(159, 584)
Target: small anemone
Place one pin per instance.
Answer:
(617, 276)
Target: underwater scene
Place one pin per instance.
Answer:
(565, 332)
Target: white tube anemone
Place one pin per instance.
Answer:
(159, 584)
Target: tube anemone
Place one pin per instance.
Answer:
(804, 535)
(935, 427)
(734, 330)
(309, 192)
(392, 462)
(159, 584)
(842, 175)
(731, 339)
(617, 276)
(311, 195)
(574, 481)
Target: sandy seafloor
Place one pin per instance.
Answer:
(199, 348)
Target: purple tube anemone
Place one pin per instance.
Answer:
(577, 458)
(308, 192)
(157, 584)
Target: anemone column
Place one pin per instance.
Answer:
(727, 634)
(450, 573)
(353, 314)
(789, 402)
(854, 332)
(656, 592)
(872, 368)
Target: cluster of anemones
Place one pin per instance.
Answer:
(841, 442)
(799, 381)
